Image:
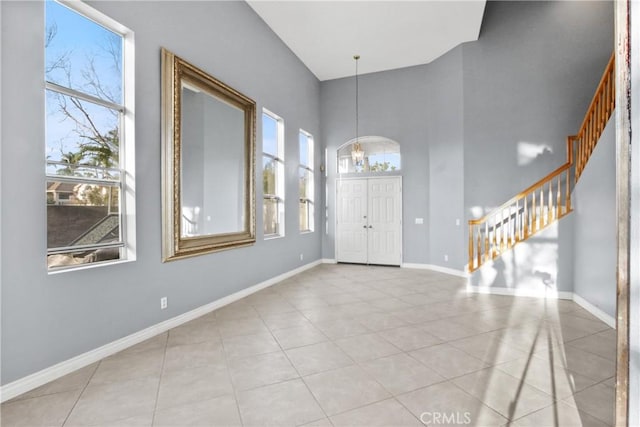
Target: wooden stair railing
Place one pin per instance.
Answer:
(525, 214)
(549, 199)
(596, 118)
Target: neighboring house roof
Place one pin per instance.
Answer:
(67, 222)
(61, 187)
(104, 230)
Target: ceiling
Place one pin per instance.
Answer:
(386, 34)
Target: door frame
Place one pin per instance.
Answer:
(335, 211)
(627, 274)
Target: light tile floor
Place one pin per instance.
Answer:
(343, 345)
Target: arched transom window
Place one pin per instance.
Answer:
(369, 154)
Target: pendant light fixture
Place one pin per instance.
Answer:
(357, 154)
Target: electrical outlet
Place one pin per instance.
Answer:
(301, 257)
(458, 221)
(446, 258)
(163, 303)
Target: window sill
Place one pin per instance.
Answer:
(273, 236)
(306, 232)
(87, 266)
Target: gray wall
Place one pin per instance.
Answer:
(543, 264)
(528, 80)
(461, 119)
(445, 119)
(595, 219)
(391, 105)
(50, 318)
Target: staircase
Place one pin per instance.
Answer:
(549, 199)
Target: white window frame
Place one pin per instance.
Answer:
(310, 199)
(126, 161)
(279, 160)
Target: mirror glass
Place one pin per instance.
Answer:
(212, 164)
(208, 162)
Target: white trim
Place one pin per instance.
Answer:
(80, 267)
(128, 148)
(596, 311)
(329, 261)
(30, 382)
(95, 15)
(446, 270)
(518, 292)
(551, 294)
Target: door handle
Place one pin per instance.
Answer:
(371, 226)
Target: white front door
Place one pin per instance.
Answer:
(385, 224)
(351, 232)
(369, 223)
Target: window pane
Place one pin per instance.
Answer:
(379, 155)
(269, 175)
(82, 214)
(306, 215)
(304, 149)
(80, 132)
(384, 162)
(82, 139)
(81, 54)
(306, 183)
(271, 213)
(272, 176)
(270, 135)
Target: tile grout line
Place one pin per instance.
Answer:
(296, 369)
(164, 358)
(356, 363)
(228, 369)
(482, 403)
(81, 393)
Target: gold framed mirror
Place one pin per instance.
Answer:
(208, 158)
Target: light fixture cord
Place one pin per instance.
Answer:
(356, 57)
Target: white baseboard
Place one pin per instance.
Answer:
(30, 382)
(609, 320)
(329, 261)
(542, 293)
(445, 270)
